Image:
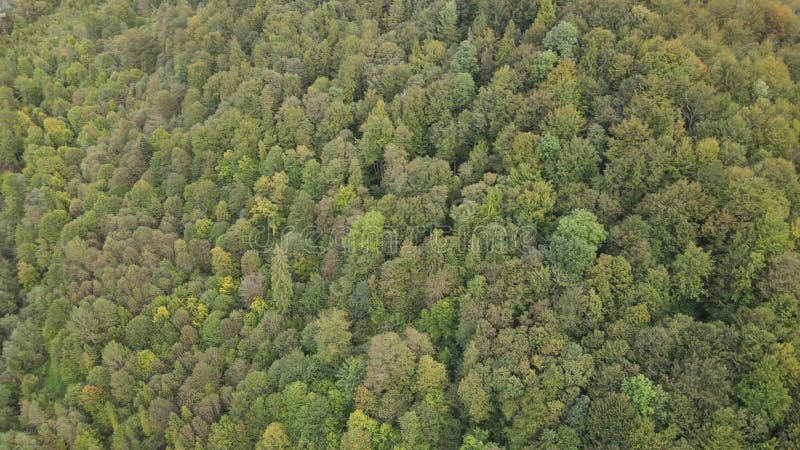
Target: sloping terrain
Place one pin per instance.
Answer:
(406, 224)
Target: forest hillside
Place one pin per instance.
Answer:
(399, 224)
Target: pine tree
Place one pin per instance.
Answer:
(281, 281)
(397, 13)
(376, 132)
(448, 23)
(507, 44)
(465, 59)
(545, 20)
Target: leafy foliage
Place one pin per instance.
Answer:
(398, 224)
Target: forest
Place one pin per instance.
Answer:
(399, 224)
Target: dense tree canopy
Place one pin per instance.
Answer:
(400, 224)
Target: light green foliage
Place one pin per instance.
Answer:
(691, 270)
(643, 394)
(226, 434)
(447, 26)
(274, 438)
(762, 391)
(541, 65)
(574, 244)
(399, 224)
(545, 18)
(281, 281)
(463, 89)
(465, 59)
(376, 132)
(365, 433)
(332, 337)
(562, 39)
(548, 149)
(364, 243)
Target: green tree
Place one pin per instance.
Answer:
(475, 398)
(389, 378)
(562, 39)
(399, 282)
(465, 59)
(611, 421)
(643, 394)
(574, 244)
(364, 243)
(463, 89)
(691, 270)
(281, 281)
(139, 48)
(365, 433)
(274, 438)
(545, 19)
(762, 391)
(447, 26)
(376, 132)
(331, 337)
(226, 434)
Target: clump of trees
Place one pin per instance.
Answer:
(358, 224)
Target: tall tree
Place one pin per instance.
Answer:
(447, 26)
(281, 281)
(545, 19)
(573, 246)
